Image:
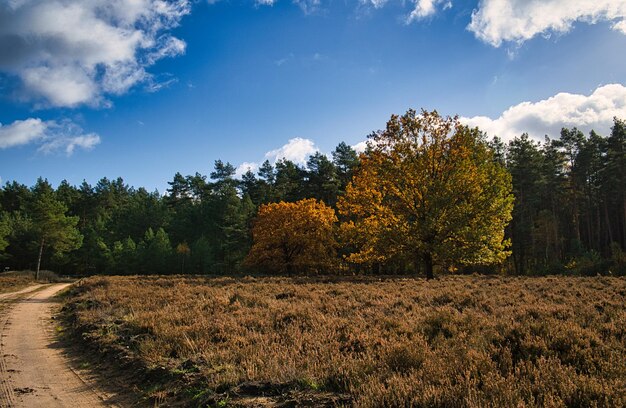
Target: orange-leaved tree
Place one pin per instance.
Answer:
(293, 237)
(429, 191)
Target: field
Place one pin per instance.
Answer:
(13, 281)
(458, 341)
(16, 280)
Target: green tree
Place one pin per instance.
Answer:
(615, 183)
(322, 182)
(5, 230)
(289, 181)
(155, 252)
(346, 161)
(51, 226)
(202, 255)
(267, 180)
(429, 191)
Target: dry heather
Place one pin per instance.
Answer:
(453, 342)
(13, 281)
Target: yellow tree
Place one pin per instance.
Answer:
(429, 191)
(290, 237)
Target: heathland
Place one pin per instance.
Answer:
(457, 341)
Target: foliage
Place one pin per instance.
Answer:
(293, 237)
(569, 214)
(50, 225)
(570, 206)
(428, 189)
(5, 230)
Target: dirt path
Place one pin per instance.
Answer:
(34, 372)
(10, 295)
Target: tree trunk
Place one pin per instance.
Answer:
(608, 224)
(428, 265)
(39, 259)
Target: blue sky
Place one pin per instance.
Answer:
(144, 88)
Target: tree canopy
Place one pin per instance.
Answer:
(430, 191)
(416, 190)
(51, 226)
(290, 237)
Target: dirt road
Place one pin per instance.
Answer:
(34, 371)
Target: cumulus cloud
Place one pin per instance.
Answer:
(296, 150)
(67, 53)
(21, 132)
(244, 167)
(427, 8)
(51, 136)
(361, 146)
(547, 117)
(497, 21)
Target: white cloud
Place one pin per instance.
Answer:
(308, 6)
(51, 136)
(360, 147)
(374, 3)
(244, 167)
(548, 116)
(70, 143)
(68, 53)
(427, 8)
(265, 2)
(497, 21)
(620, 26)
(296, 150)
(21, 132)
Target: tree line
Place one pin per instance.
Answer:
(427, 193)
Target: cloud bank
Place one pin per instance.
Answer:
(498, 21)
(67, 53)
(547, 117)
(51, 136)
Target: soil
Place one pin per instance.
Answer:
(34, 369)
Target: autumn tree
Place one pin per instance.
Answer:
(429, 191)
(290, 237)
(183, 250)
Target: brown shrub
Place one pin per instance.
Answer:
(454, 342)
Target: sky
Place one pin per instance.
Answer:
(142, 89)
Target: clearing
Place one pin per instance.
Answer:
(457, 341)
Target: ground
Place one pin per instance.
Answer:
(36, 369)
(458, 341)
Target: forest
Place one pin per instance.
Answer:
(556, 207)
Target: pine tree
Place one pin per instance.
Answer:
(50, 224)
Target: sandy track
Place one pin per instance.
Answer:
(34, 372)
(10, 295)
